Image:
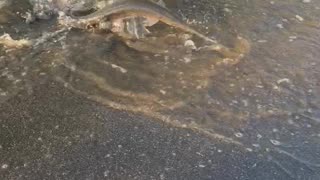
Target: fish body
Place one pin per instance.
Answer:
(141, 8)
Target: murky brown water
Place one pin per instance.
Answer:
(267, 103)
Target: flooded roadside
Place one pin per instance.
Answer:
(266, 104)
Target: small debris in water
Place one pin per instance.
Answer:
(200, 154)
(235, 102)
(299, 18)
(259, 136)
(284, 80)
(190, 44)
(262, 41)
(23, 73)
(276, 87)
(256, 145)
(292, 38)
(121, 69)
(245, 103)
(249, 149)
(239, 135)
(3, 93)
(227, 10)
(4, 166)
(280, 26)
(163, 92)
(187, 59)
(275, 142)
(8, 42)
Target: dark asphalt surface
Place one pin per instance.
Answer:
(55, 134)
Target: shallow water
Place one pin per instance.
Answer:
(266, 103)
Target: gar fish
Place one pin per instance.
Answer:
(140, 8)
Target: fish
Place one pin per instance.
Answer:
(141, 8)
